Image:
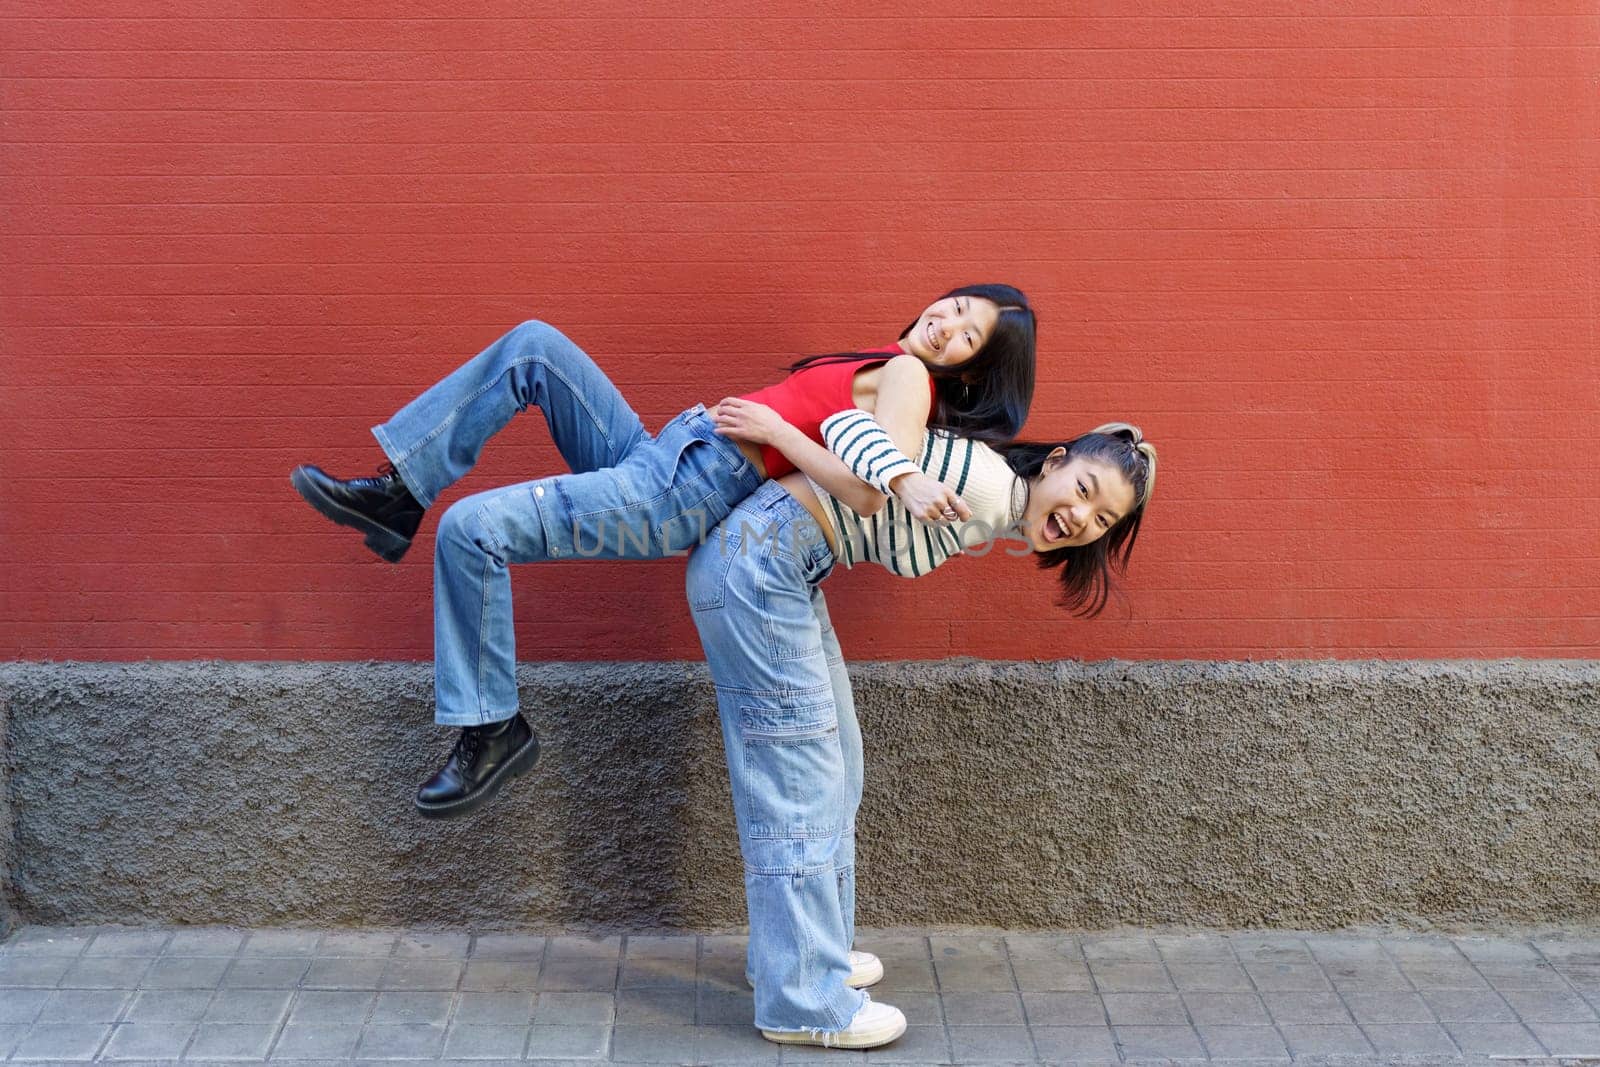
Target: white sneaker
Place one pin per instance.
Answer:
(865, 969)
(875, 1024)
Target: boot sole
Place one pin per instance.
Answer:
(839, 1039)
(388, 545)
(520, 763)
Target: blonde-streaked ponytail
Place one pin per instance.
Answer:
(1135, 437)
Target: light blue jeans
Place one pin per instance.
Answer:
(630, 496)
(794, 755)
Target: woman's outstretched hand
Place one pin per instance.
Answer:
(746, 420)
(927, 498)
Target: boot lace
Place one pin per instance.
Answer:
(467, 746)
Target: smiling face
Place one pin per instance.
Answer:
(952, 330)
(1074, 502)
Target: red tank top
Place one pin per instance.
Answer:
(810, 395)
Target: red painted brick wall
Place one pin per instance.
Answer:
(1340, 265)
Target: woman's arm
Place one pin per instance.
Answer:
(901, 408)
(874, 459)
(760, 424)
(858, 464)
(867, 449)
(904, 402)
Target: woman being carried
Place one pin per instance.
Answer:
(967, 360)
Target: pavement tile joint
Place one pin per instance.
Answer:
(218, 995)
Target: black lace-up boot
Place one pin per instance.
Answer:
(382, 507)
(484, 759)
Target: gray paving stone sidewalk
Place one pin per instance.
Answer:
(308, 997)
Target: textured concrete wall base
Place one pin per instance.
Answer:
(7, 919)
(1307, 795)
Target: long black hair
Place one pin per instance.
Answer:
(987, 397)
(1086, 570)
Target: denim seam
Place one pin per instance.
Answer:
(483, 619)
(486, 528)
(566, 510)
(724, 564)
(658, 534)
(770, 548)
(536, 502)
(583, 402)
(699, 506)
(801, 716)
(822, 691)
(821, 701)
(815, 978)
(454, 413)
(812, 871)
(550, 369)
(788, 655)
(758, 739)
(799, 835)
(773, 694)
(773, 650)
(632, 506)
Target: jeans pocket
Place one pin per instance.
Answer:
(654, 471)
(689, 516)
(780, 720)
(788, 624)
(706, 580)
(794, 775)
(659, 501)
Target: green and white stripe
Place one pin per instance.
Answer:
(892, 538)
(866, 448)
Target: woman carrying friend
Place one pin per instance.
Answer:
(967, 360)
(788, 718)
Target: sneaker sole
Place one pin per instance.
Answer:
(869, 1039)
(388, 545)
(520, 763)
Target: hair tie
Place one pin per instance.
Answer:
(1148, 451)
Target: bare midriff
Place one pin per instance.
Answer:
(864, 392)
(797, 486)
(753, 454)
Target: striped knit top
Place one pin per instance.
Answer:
(891, 538)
